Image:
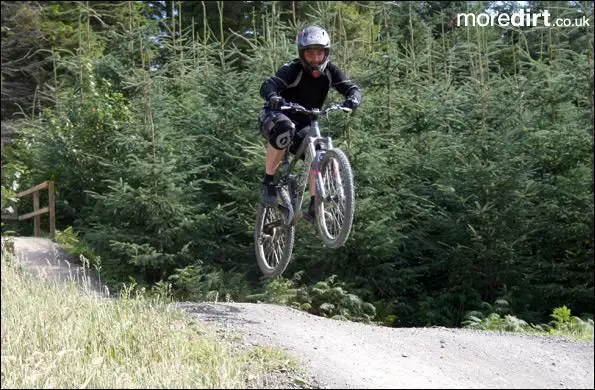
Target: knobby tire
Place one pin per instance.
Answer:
(335, 229)
(273, 247)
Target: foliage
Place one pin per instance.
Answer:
(205, 283)
(8, 198)
(70, 241)
(498, 318)
(564, 323)
(327, 298)
(279, 291)
(330, 298)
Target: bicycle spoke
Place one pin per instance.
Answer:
(272, 253)
(333, 205)
(272, 237)
(335, 210)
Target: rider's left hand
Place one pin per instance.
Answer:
(351, 103)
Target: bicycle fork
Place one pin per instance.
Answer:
(320, 190)
(319, 185)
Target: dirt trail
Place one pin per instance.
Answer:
(44, 258)
(340, 354)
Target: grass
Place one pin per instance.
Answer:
(55, 335)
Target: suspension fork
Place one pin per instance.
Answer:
(315, 170)
(320, 190)
(337, 175)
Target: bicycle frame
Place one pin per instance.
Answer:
(308, 148)
(274, 237)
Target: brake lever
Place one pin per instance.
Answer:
(337, 106)
(293, 106)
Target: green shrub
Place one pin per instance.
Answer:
(326, 298)
(563, 323)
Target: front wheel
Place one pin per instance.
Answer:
(335, 210)
(274, 238)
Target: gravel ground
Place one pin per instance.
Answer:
(341, 354)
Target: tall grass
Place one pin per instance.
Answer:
(56, 335)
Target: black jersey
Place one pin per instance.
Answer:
(296, 85)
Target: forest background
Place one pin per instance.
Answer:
(472, 151)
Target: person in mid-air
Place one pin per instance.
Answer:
(306, 81)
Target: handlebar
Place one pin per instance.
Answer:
(314, 111)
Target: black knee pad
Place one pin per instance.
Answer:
(281, 133)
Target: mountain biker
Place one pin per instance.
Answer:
(306, 81)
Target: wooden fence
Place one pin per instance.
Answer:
(36, 213)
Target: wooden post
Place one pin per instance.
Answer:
(37, 218)
(36, 213)
(52, 207)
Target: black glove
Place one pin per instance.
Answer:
(275, 102)
(351, 103)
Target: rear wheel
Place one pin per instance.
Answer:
(334, 212)
(273, 239)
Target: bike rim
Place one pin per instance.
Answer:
(272, 238)
(333, 204)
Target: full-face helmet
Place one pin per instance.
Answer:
(314, 37)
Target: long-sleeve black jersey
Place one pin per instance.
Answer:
(298, 86)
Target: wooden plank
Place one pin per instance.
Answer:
(10, 217)
(33, 189)
(37, 220)
(34, 213)
(52, 207)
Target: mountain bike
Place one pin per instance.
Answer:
(274, 234)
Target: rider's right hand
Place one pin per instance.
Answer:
(275, 102)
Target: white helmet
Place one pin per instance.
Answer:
(314, 37)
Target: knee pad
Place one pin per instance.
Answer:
(281, 133)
